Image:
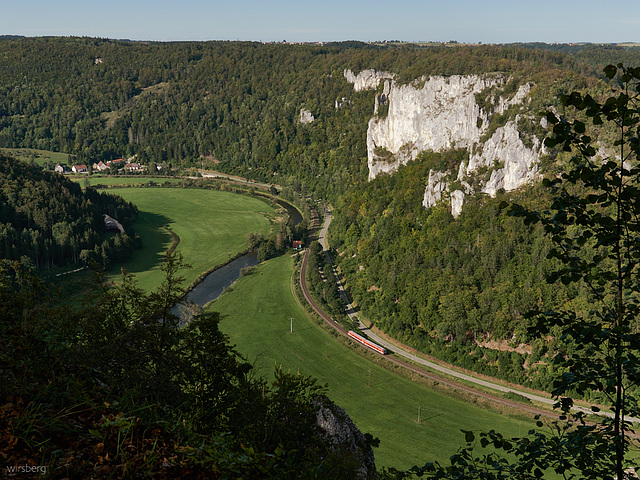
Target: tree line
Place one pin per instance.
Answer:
(115, 387)
(230, 105)
(53, 222)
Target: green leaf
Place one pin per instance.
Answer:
(551, 118)
(468, 436)
(610, 71)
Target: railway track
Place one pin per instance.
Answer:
(392, 358)
(303, 278)
(396, 359)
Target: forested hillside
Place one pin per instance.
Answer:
(238, 107)
(445, 285)
(230, 105)
(51, 220)
(113, 388)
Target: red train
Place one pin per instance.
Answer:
(360, 339)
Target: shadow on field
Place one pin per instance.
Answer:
(156, 240)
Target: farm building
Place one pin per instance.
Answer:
(100, 166)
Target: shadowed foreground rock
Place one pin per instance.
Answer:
(345, 439)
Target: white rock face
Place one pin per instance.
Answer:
(457, 200)
(436, 186)
(520, 164)
(306, 116)
(366, 79)
(440, 113)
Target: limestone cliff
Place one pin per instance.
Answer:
(519, 164)
(504, 162)
(439, 113)
(366, 79)
(306, 116)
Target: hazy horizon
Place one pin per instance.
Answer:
(493, 21)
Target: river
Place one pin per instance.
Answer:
(212, 286)
(221, 278)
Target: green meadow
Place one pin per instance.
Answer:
(39, 156)
(212, 227)
(256, 313)
(112, 180)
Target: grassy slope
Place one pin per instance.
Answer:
(256, 315)
(212, 226)
(119, 180)
(39, 156)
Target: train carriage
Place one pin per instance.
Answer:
(367, 343)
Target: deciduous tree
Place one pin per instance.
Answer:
(594, 222)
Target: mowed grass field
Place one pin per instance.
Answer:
(212, 226)
(120, 180)
(256, 314)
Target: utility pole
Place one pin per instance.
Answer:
(419, 411)
(291, 324)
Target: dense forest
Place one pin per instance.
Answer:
(230, 105)
(235, 107)
(448, 286)
(53, 222)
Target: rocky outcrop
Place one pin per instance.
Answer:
(440, 113)
(437, 116)
(342, 102)
(518, 164)
(457, 200)
(366, 79)
(112, 224)
(502, 162)
(344, 439)
(436, 186)
(306, 116)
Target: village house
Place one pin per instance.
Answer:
(100, 166)
(79, 169)
(118, 162)
(61, 169)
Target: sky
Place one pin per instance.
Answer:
(488, 21)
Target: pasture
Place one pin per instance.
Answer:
(212, 227)
(112, 180)
(256, 313)
(38, 156)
